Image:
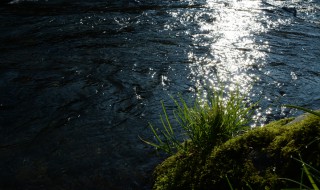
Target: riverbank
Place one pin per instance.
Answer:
(81, 80)
(258, 159)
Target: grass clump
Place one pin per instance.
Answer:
(205, 124)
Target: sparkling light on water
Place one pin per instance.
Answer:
(227, 45)
(232, 45)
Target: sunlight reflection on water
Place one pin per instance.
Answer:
(228, 48)
(234, 49)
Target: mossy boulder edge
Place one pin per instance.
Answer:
(257, 159)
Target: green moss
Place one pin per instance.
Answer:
(257, 158)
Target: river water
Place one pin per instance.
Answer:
(80, 80)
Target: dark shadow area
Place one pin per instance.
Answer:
(79, 83)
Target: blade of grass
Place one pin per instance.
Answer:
(305, 168)
(303, 109)
(167, 119)
(229, 183)
(296, 182)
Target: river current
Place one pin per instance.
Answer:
(80, 80)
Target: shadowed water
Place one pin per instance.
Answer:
(80, 80)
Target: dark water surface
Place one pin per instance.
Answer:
(80, 80)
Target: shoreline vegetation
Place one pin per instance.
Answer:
(219, 150)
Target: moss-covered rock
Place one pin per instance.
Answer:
(256, 159)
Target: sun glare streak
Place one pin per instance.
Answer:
(227, 45)
(231, 43)
(224, 46)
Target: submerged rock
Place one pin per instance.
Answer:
(257, 159)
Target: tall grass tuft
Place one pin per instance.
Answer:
(206, 123)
